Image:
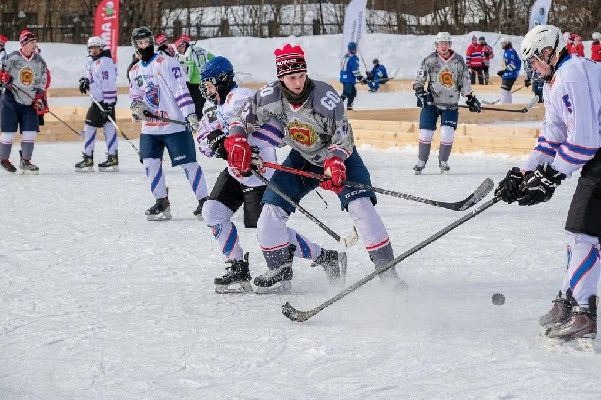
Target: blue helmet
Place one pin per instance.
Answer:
(220, 72)
(352, 46)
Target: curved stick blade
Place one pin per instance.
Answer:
(485, 187)
(351, 239)
(293, 314)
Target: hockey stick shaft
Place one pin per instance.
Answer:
(482, 190)
(148, 114)
(337, 237)
(114, 123)
(300, 316)
(523, 110)
(499, 99)
(51, 113)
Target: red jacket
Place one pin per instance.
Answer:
(596, 51)
(474, 56)
(576, 48)
(487, 54)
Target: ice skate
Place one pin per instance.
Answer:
(85, 165)
(419, 167)
(275, 280)
(160, 211)
(444, 167)
(238, 275)
(27, 167)
(334, 264)
(582, 324)
(198, 212)
(111, 164)
(391, 279)
(8, 166)
(559, 313)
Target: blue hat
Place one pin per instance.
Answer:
(352, 46)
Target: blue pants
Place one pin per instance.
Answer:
(180, 146)
(374, 85)
(429, 116)
(14, 114)
(296, 187)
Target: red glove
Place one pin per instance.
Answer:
(335, 168)
(239, 153)
(4, 77)
(40, 103)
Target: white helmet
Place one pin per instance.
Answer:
(596, 36)
(95, 41)
(505, 41)
(539, 38)
(443, 37)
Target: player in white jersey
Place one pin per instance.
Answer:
(158, 88)
(232, 190)
(569, 141)
(101, 83)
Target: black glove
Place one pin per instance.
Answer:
(422, 97)
(539, 186)
(527, 82)
(215, 141)
(473, 103)
(84, 85)
(501, 72)
(361, 80)
(107, 109)
(509, 188)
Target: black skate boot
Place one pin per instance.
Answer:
(444, 166)
(283, 275)
(237, 274)
(111, 164)
(419, 167)
(334, 264)
(27, 167)
(198, 212)
(85, 165)
(160, 211)
(582, 325)
(559, 313)
(8, 166)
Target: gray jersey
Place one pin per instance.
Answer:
(319, 129)
(446, 79)
(29, 75)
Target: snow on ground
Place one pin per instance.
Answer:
(98, 303)
(253, 58)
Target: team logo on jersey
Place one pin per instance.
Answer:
(140, 81)
(26, 76)
(566, 101)
(446, 78)
(152, 94)
(302, 133)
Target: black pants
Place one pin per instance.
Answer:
(476, 71)
(584, 215)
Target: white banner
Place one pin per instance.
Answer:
(354, 23)
(539, 13)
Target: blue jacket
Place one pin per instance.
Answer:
(349, 69)
(378, 73)
(513, 64)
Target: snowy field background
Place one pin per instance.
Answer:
(98, 303)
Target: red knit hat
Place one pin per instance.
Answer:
(160, 39)
(182, 39)
(25, 37)
(290, 60)
(3, 39)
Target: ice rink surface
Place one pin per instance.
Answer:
(98, 303)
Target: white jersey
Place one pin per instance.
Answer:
(102, 74)
(571, 131)
(3, 55)
(161, 85)
(219, 117)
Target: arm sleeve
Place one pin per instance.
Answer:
(136, 93)
(342, 143)
(40, 82)
(206, 127)
(353, 66)
(422, 75)
(176, 81)
(582, 124)
(109, 81)
(463, 80)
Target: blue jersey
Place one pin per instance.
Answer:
(349, 69)
(378, 73)
(512, 64)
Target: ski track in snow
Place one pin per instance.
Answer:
(98, 303)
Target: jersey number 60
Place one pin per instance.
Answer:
(330, 100)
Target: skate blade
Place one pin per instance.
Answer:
(418, 172)
(86, 169)
(244, 287)
(444, 172)
(279, 288)
(108, 169)
(164, 216)
(199, 217)
(580, 345)
(25, 172)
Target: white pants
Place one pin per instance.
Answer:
(582, 273)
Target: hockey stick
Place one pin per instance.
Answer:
(498, 100)
(521, 110)
(347, 241)
(51, 113)
(114, 123)
(481, 191)
(300, 316)
(150, 115)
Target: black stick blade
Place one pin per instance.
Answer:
(293, 314)
(481, 192)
